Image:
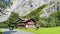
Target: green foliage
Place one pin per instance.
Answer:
(35, 13)
(56, 17)
(51, 21)
(2, 25)
(13, 18)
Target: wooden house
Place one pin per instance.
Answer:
(27, 23)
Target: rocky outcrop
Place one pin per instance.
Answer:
(53, 6)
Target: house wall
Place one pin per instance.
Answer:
(30, 26)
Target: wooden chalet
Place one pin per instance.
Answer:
(27, 23)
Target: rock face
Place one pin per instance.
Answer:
(53, 6)
(24, 7)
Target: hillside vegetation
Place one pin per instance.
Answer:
(35, 13)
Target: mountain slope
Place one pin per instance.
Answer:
(25, 7)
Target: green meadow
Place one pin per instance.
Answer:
(52, 30)
(0, 31)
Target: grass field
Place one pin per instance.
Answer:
(53, 30)
(0, 31)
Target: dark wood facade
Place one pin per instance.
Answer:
(27, 23)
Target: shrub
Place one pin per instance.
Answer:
(2, 25)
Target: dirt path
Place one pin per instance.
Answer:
(7, 31)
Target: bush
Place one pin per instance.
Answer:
(2, 25)
(13, 18)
